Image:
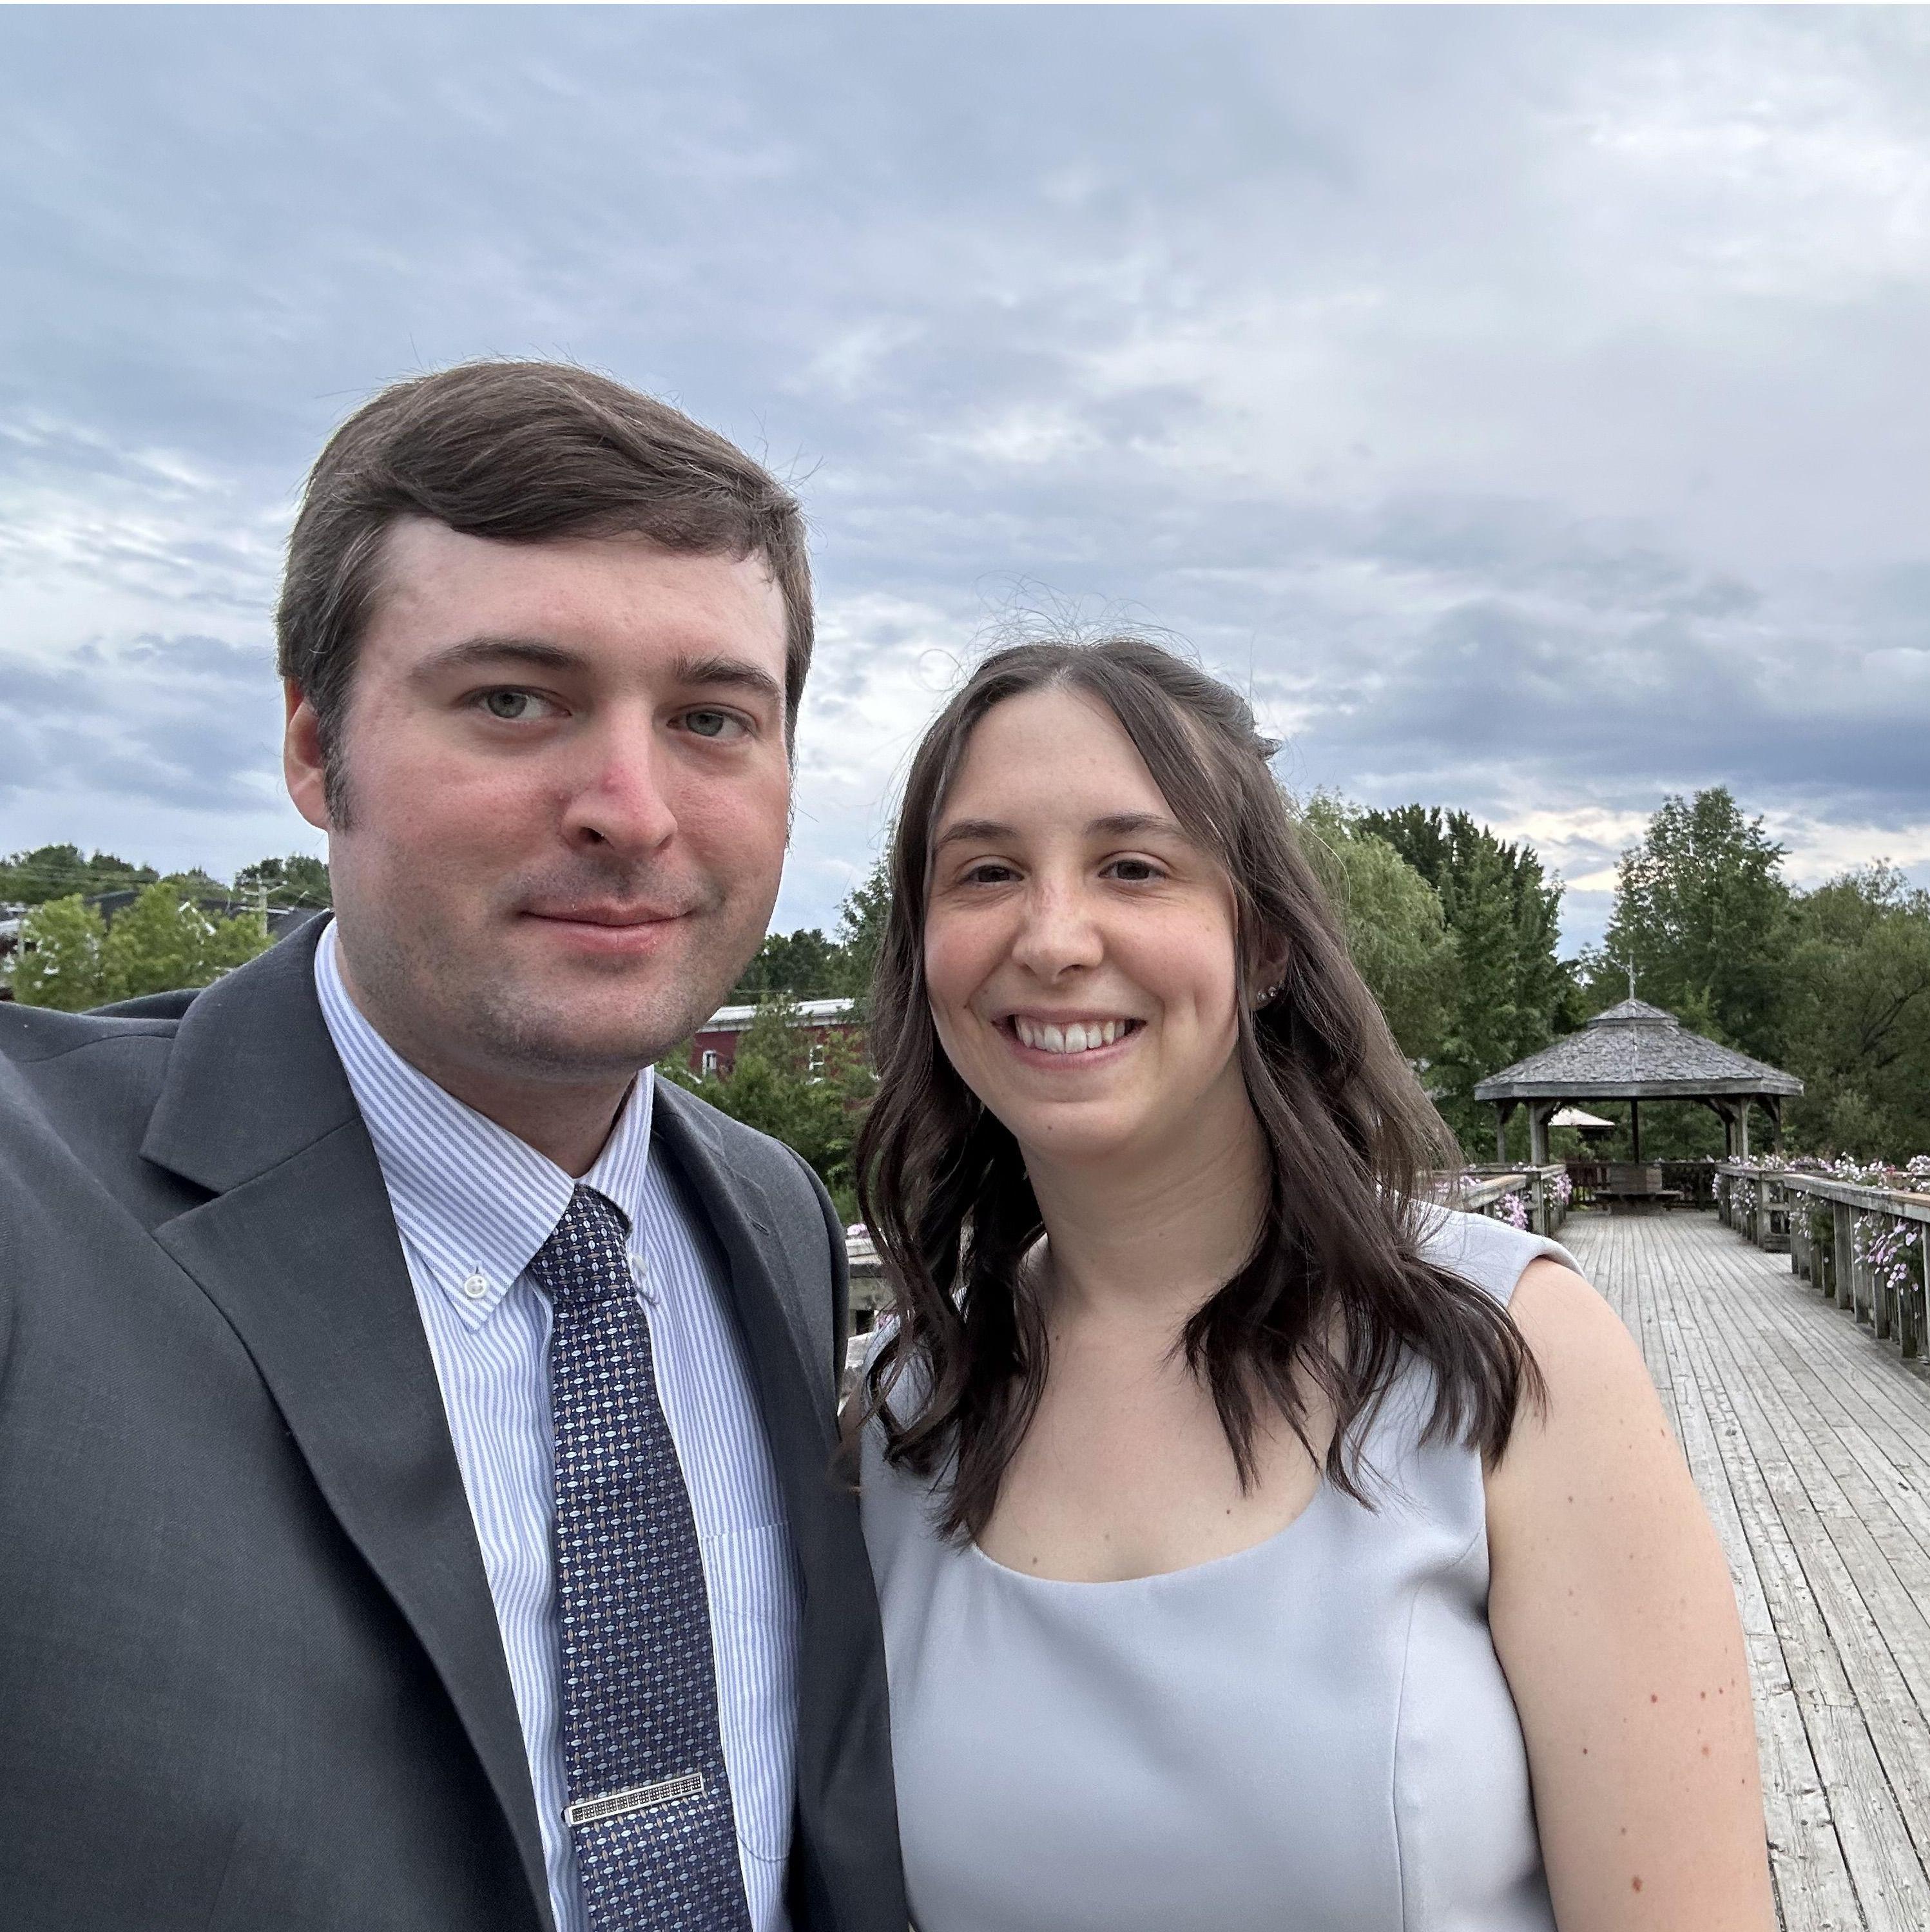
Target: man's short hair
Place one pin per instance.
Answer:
(525, 451)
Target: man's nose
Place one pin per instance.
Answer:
(620, 799)
(1057, 933)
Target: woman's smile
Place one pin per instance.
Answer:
(1082, 1043)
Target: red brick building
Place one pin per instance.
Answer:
(714, 1048)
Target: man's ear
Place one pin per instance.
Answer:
(302, 764)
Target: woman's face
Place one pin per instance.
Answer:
(1080, 948)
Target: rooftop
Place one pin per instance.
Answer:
(1634, 1051)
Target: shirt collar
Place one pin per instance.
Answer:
(474, 1201)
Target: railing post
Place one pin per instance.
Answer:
(1882, 1302)
(1845, 1269)
(1862, 1284)
(1920, 1312)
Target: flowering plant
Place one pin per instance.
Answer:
(1512, 1209)
(1562, 1187)
(1884, 1248)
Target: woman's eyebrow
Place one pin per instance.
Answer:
(975, 832)
(1131, 824)
(1114, 825)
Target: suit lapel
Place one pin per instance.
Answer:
(792, 1387)
(299, 1250)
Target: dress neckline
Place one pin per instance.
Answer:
(1317, 1501)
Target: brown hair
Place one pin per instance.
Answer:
(523, 451)
(943, 1185)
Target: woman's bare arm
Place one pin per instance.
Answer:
(1615, 1620)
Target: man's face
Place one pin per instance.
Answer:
(567, 795)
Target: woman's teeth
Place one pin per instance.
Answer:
(1082, 1036)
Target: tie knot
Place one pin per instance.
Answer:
(587, 1256)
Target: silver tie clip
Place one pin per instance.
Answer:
(638, 1798)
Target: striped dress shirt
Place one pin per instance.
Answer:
(473, 1204)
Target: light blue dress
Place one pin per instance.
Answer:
(1313, 1735)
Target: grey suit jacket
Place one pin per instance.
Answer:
(251, 1677)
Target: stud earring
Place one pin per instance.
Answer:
(1269, 993)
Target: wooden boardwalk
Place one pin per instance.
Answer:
(1810, 1442)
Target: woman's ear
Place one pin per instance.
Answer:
(1268, 975)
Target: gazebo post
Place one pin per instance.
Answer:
(1742, 1127)
(1503, 1108)
(1634, 1130)
(1538, 1133)
(1773, 1103)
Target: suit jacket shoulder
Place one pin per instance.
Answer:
(781, 1189)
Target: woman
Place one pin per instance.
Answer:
(1257, 1548)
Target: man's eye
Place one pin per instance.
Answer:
(710, 723)
(511, 706)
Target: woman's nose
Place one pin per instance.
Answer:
(1057, 933)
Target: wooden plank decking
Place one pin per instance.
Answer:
(1810, 1442)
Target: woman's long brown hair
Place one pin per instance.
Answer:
(1352, 1138)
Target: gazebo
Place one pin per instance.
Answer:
(1636, 1052)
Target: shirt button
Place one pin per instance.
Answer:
(476, 1286)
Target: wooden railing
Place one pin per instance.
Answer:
(1543, 1192)
(1866, 1249)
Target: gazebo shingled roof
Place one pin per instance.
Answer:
(1636, 1052)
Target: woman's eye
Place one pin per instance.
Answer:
(710, 723)
(986, 872)
(1134, 871)
(511, 706)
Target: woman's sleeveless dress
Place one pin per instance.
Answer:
(1312, 1735)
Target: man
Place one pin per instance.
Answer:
(416, 1420)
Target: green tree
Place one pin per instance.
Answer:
(1702, 914)
(862, 919)
(809, 1094)
(50, 872)
(59, 963)
(803, 964)
(165, 940)
(1512, 994)
(299, 880)
(1857, 1015)
(1396, 930)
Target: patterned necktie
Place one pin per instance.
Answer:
(649, 1810)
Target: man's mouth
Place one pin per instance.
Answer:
(604, 914)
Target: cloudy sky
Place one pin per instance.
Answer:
(1532, 407)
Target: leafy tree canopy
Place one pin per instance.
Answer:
(1857, 1015)
(1703, 915)
(1511, 994)
(1395, 928)
(809, 1092)
(70, 957)
(297, 880)
(50, 872)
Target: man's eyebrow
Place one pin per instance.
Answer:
(730, 674)
(509, 653)
(490, 652)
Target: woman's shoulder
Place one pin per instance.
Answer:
(1490, 1254)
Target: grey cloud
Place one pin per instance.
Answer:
(1527, 399)
(182, 721)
